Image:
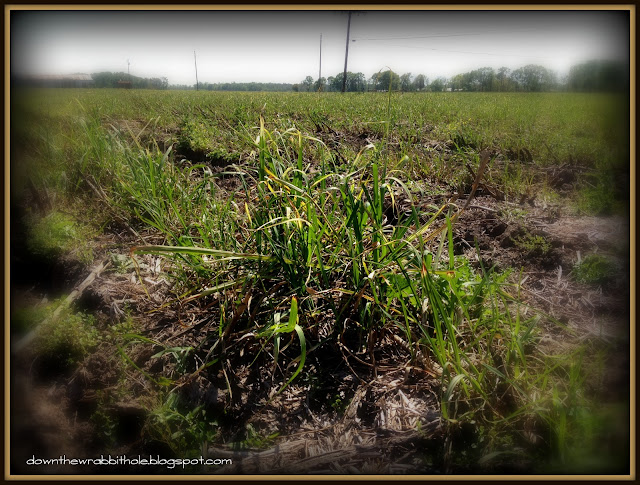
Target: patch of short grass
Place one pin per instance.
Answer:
(65, 339)
(57, 234)
(534, 244)
(594, 269)
(181, 426)
(24, 319)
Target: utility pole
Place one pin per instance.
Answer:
(320, 70)
(346, 55)
(196, 63)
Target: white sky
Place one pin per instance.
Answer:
(277, 46)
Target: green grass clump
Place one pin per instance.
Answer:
(183, 428)
(594, 269)
(587, 430)
(598, 199)
(194, 136)
(57, 234)
(66, 339)
(254, 439)
(315, 246)
(105, 425)
(24, 319)
(534, 244)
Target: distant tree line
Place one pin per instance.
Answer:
(252, 86)
(533, 78)
(357, 82)
(115, 80)
(599, 76)
(586, 77)
(589, 76)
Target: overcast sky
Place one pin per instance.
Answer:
(270, 46)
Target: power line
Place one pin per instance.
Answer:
(445, 35)
(468, 52)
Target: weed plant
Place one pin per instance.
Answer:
(313, 247)
(58, 234)
(594, 269)
(66, 340)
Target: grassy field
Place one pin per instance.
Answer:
(273, 244)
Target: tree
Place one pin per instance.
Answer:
(503, 79)
(533, 78)
(438, 84)
(486, 77)
(105, 79)
(405, 82)
(157, 83)
(319, 84)
(307, 83)
(355, 82)
(384, 79)
(373, 82)
(527, 78)
(419, 82)
(336, 82)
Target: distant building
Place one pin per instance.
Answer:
(124, 84)
(57, 81)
